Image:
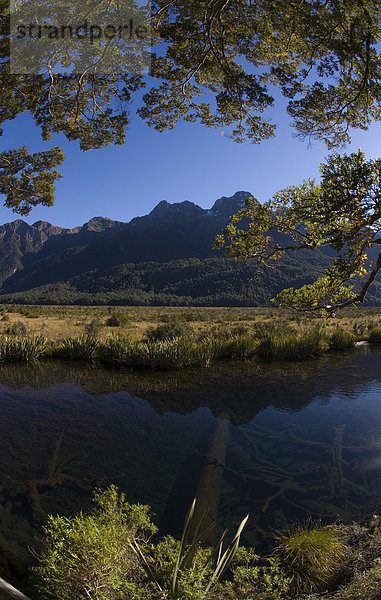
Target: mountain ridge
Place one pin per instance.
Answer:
(163, 257)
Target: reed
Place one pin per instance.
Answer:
(375, 335)
(82, 347)
(292, 347)
(341, 340)
(22, 349)
(118, 350)
(239, 347)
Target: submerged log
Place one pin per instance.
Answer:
(8, 592)
(208, 490)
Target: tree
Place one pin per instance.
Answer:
(216, 62)
(342, 212)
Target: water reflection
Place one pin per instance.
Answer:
(279, 442)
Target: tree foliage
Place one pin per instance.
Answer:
(342, 212)
(215, 62)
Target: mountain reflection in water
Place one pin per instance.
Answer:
(280, 442)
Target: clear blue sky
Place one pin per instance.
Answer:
(189, 163)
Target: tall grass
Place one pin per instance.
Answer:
(239, 347)
(341, 340)
(80, 347)
(292, 347)
(312, 555)
(168, 354)
(375, 335)
(22, 349)
(119, 350)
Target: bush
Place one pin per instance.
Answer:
(25, 349)
(80, 347)
(93, 328)
(90, 556)
(123, 351)
(255, 578)
(117, 319)
(295, 347)
(341, 340)
(375, 335)
(312, 556)
(168, 331)
(240, 346)
(365, 585)
(18, 328)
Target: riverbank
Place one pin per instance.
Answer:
(172, 342)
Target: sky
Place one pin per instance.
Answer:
(190, 162)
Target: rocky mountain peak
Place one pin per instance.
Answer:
(165, 209)
(98, 224)
(228, 206)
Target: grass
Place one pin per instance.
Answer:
(81, 347)
(173, 337)
(292, 347)
(341, 340)
(312, 555)
(22, 349)
(375, 335)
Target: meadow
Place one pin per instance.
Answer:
(173, 337)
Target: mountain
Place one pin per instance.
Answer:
(165, 257)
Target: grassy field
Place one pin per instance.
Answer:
(57, 322)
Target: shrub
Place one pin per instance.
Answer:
(359, 328)
(341, 340)
(90, 556)
(117, 319)
(255, 578)
(312, 556)
(240, 346)
(17, 328)
(93, 328)
(365, 585)
(25, 349)
(294, 347)
(185, 570)
(168, 331)
(80, 347)
(375, 335)
(123, 351)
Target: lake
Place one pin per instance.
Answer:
(281, 442)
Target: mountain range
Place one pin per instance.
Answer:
(165, 257)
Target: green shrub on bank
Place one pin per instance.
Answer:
(295, 347)
(169, 354)
(375, 335)
(94, 328)
(119, 350)
(312, 556)
(22, 349)
(240, 346)
(105, 555)
(90, 556)
(341, 340)
(108, 554)
(80, 347)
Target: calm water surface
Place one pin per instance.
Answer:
(280, 442)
